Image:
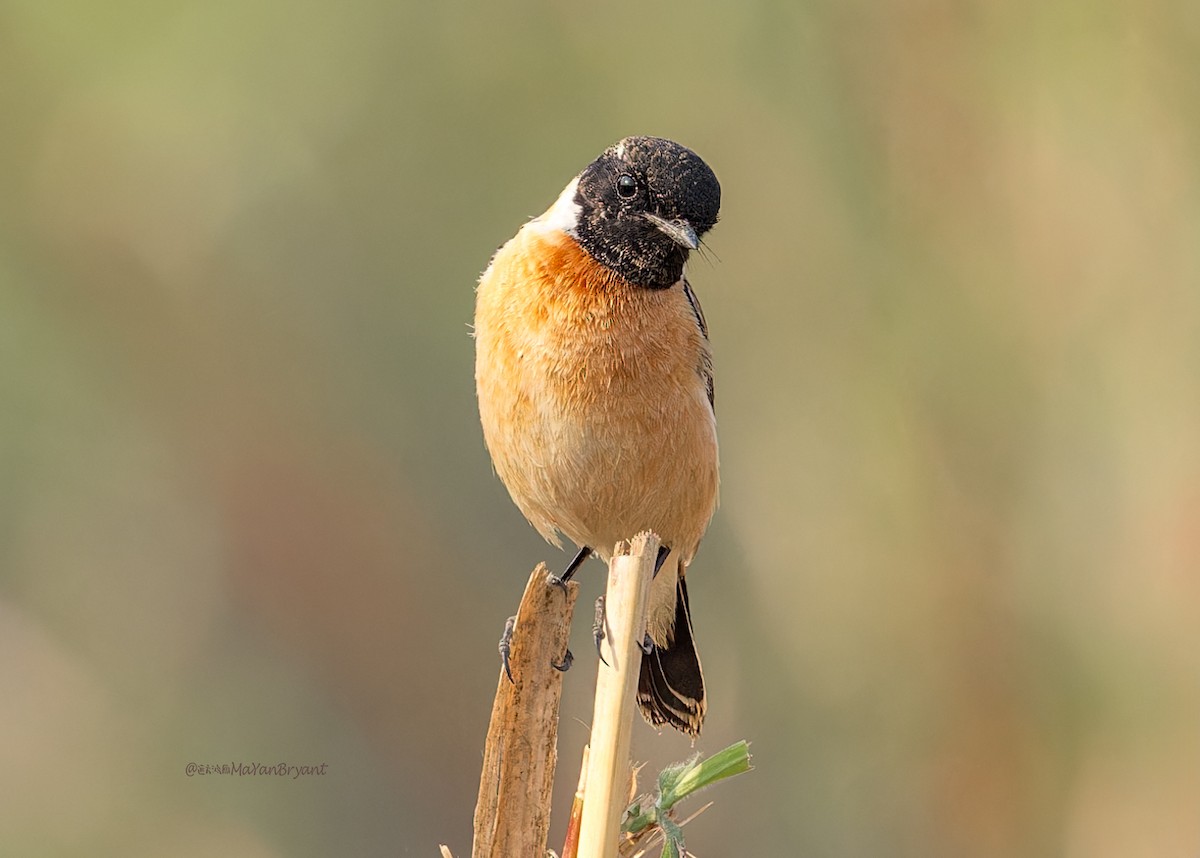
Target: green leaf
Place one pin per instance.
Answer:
(678, 782)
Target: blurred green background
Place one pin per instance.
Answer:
(952, 595)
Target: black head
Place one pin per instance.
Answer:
(643, 206)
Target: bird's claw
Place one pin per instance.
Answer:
(567, 660)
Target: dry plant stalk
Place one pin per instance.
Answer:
(571, 842)
(607, 782)
(512, 814)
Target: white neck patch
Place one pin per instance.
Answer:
(564, 214)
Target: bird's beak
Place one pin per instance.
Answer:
(679, 231)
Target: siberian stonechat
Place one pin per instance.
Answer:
(595, 383)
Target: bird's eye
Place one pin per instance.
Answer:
(626, 186)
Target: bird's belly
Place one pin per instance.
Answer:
(603, 470)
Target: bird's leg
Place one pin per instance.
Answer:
(560, 581)
(663, 551)
(506, 646)
(647, 645)
(598, 627)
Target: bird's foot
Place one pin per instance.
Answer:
(506, 646)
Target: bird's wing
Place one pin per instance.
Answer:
(705, 369)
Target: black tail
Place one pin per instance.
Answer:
(671, 687)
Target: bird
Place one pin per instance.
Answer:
(594, 377)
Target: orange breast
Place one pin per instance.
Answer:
(591, 399)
